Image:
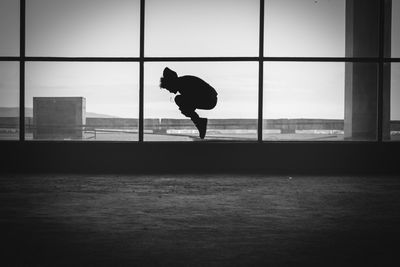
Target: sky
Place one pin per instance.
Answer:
(101, 28)
(313, 90)
(107, 28)
(9, 27)
(9, 85)
(109, 88)
(236, 84)
(305, 28)
(395, 28)
(202, 28)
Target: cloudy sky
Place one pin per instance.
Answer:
(107, 28)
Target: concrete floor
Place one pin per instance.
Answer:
(199, 220)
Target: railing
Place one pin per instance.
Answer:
(95, 126)
(281, 124)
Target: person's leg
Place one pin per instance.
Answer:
(206, 102)
(187, 108)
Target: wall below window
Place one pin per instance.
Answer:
(286, 158)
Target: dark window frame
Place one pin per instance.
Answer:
(381, 60)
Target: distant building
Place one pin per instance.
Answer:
(58, 117)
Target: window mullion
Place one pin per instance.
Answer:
(22, 73)
(261, 73)
(141, 71)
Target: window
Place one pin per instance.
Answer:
(301, 70)
(234, 117)
(304, 28)
(86, 28)
(9, 28)
(395, 28)
(304, 101)
(394, 103)
(9, 101)
(201, 28)
(82, 101)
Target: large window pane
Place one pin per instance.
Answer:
(82, 101)
(9, 101)
(304, 28)
(394, 102)
(234, 117)
(202, 28)
(9, 28)
(83, 28)
(320, 101)
(395, 28)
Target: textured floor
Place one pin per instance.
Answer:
(199, 220)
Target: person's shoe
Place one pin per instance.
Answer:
(202, 127)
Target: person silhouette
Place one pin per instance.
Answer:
(194, 93)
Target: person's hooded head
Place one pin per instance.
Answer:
(168, 80)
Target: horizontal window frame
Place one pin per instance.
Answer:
(200, 59)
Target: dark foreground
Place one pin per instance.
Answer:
(199, 220)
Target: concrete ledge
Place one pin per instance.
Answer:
(290, 157)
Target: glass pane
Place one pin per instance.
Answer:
(304, 28)
(9, 28)
(83, 28)
(396, 28)
(233, 118)
(9, 100)
(82, 101)
(202, 28)
(319, 101)
(394, 102)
